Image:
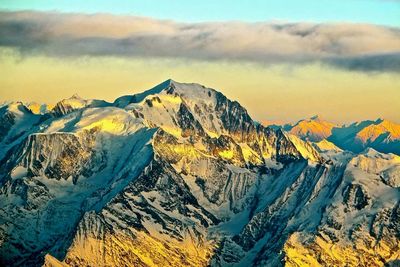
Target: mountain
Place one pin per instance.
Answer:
(75, 102)
(15, 121)
(314, 129)
(180, 175)
(381, 135)
(326, 146)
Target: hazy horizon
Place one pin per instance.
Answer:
(266, 121)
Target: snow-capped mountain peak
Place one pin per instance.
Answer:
(381, 127)
(75, 96)
(316, 117)
(314, 129)
(382, 135)
(180, 175)
(68, 105)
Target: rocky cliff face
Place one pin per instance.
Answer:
(182, 176)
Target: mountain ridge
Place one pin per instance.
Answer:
(381, 134)
(181, 175)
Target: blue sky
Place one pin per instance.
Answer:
(383, 12)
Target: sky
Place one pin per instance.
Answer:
(384, 12)
(283, 62)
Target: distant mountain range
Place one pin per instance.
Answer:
(180, 175)
(381, 135)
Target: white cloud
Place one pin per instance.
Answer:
(352, 46)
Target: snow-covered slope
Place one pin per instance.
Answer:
(361, 224)
(381, 135)
(372, 132)
(314, 129)
(326, 146)
(16, 122)
(179, 175)
(52, 177)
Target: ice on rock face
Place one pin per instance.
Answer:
(180, 175)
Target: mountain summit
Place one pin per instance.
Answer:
(314, 129)
(180, 175)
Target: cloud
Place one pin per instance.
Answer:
(359, 47)
(369, 63)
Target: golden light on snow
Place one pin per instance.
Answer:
(227, 154)
(108, 125)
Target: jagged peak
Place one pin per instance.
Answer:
(313, 119)
(125, 100)
(360, 125)
(165, 84)
(68, 105)
(194, 91)
(313, 129)
(316, 118)
(16, 106)
(373, 131)
(189, 88)
(382, 121)
(75, 96)
(169, 82)
(183, 87)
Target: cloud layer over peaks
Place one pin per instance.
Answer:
(359, 47)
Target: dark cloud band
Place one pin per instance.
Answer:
(359, 47)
